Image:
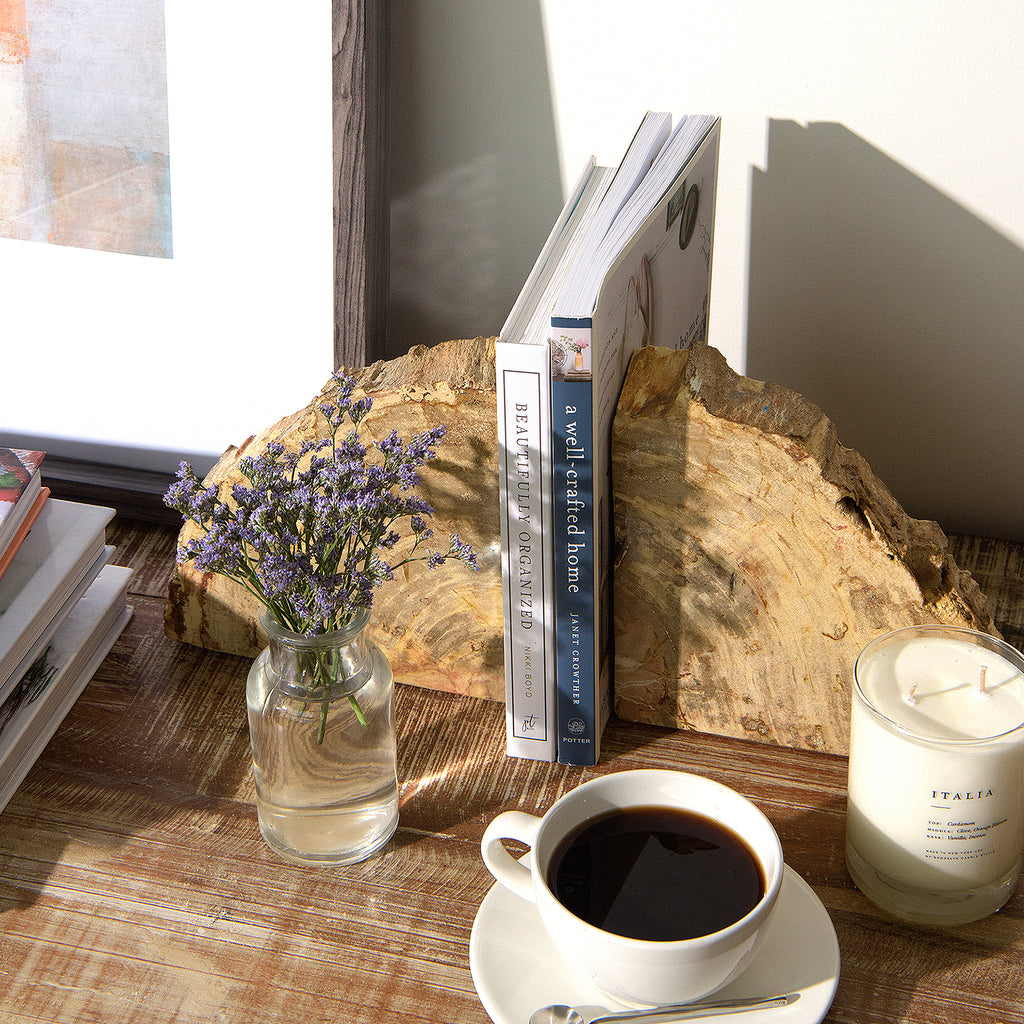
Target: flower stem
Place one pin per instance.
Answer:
(325, 672)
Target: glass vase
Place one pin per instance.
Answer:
(323, 743)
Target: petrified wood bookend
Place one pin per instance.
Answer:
(442, 628)
(755, 556)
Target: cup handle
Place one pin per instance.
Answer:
(506, 869)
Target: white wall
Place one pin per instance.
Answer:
(476, 179)
(936, 86)
(868, 248)
(871, 213)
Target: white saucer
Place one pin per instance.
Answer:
(516, 968)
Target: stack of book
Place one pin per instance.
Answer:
(627, 264)
(61, 608)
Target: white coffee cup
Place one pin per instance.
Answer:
(639, 972)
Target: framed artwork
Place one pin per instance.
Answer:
(192, 219)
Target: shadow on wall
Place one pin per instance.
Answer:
(475, 176)
(900, 314)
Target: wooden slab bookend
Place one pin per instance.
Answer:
(440, 628)
(755, 556)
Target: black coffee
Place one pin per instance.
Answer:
(656, 873)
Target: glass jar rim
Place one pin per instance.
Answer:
(993, 643)
(273, 627)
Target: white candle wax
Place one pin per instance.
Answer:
(937, 769)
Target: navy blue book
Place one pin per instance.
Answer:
(642, 277)
(573, 524)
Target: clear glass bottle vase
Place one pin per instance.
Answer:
(322, 733)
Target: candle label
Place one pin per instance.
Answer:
(955, 838)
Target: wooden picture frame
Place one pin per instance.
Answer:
(360, 250)
(361, 179)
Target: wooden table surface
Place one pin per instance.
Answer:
(134, 885)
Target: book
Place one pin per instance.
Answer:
(63, 552)
(645, 281)
(33, 711)
(523, 372)
(23, 528)
(20, 484)
(524, 481)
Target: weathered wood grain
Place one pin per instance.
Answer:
(998, 567)
(361, 179)
(134, 885)
(755, 556)
(148, 553)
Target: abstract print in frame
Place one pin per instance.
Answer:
(84, 142)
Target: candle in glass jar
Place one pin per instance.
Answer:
(935, 818)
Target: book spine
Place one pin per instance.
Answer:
(579, 707)
(524, 483)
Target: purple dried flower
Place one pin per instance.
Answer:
(305, 532)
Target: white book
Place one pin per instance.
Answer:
(585, 279)
(76, 651)
(524, 479)
(65, 545)
(43, 638)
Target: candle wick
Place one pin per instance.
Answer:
(910, 698)
(981, 679)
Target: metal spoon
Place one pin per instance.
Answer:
(561, 1014)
